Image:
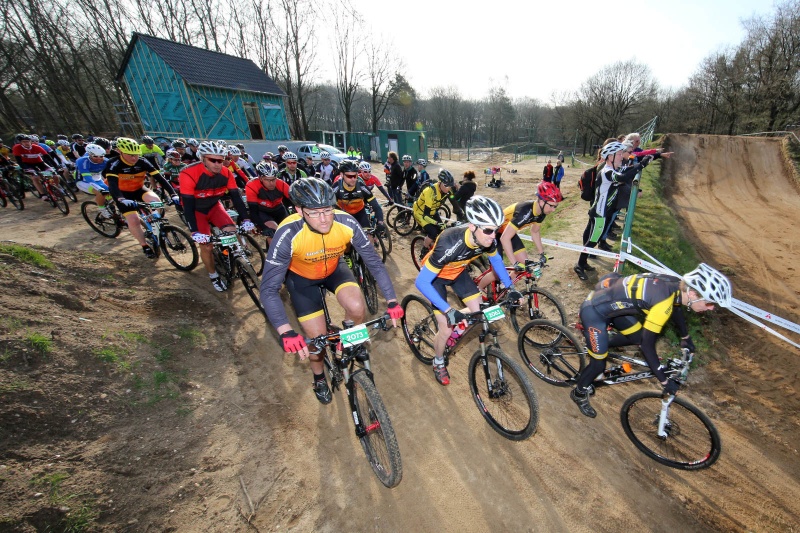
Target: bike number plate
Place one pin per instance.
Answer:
(493, 313)
(354, 336)
(156, 205)
(228, 240)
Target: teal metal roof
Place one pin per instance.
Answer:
(198, 66)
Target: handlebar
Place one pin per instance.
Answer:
(382, 322)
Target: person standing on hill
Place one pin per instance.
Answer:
(395, 176)
(560, 157)
(547, 173)
(558, 173)
(466, 189)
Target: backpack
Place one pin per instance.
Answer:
(587, 184)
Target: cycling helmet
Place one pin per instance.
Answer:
(48, 142)
(365, 167)
(102, 142)
(192, 142)
(211, 148)
(222, 142)
(77, 136)
(63, 142)
(324, 155)
(178, 144)
(312, 193)
(613, 147)
(421, 162)
(483, 211)
(445, 178)
(289, 156)
(347, 166)
(407, 158)
(128, 146)
(95, 150)
(266, 169)
(34, 138)
(147, 139)
(282, 148)
(240, 146)
(711, 284)
(232, 150)
(267, 156)
(61, 137)
(23, 137)
(549, 192)
(172, 153)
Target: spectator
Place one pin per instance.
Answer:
(560, 157)
(558, 173)
(547, 173)
(395, 176)
(466, 189)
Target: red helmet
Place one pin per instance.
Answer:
(549, 192)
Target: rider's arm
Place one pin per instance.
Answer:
(424, 284)
(423, 209)
(499, 268)
(648, 348)
(679, 319)
(376, 208)
(187, 186)
(112, 179)
(164, 182)
(367, 252)
(536, 237)
(276, 264)
(505, 241)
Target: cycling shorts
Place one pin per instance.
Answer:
(432, 231)
(305, 294)
(216, 216)
(516, 245)
(91, 186)
(130, 195)
(462, 285)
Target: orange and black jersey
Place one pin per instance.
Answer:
(451, 253)
(312, 255)
(263, 199)
(353, 200)
(653, 296)
(521, 215)
(122, 177)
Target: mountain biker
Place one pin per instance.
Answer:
(306, 253)
(152, 152)
(88, 175)
(519, 216)
(426, 208)
(446, 266)
(202, 185)
(125, 177)
(638, 307)
(266, 197)
(327, 170)
(352, 195)
(232, 164)
(409, 173)
(423, 178)
(371, 180)
(290, 173)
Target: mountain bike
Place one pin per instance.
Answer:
(252, 250)
(382, 240)
(500, 387)
(53, 190)
(9, 193)
(21, 181)
(346, 358)
(666, 428)
(401, 216)
(364, 278)
(231, 262)
(418, 250)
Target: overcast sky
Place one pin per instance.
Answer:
(552, 46)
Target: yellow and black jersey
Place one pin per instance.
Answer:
(430, 200)
(451, 253)
(652, 295)
(352, 200)
(521, 215)
(128, 178)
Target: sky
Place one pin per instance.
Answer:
(553, 46)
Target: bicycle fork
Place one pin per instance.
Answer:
(663, 419)
(493, 386)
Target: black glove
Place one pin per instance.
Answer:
(672, 386)
(454, 316)
(688, 344)
(514, 295)
(542, 259)
(380, 229)
(646, 160)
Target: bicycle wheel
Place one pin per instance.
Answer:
(404, 222)
(541, 304)
(551, 351)
(419, 327)
(379, 441)
(390, 215)
(417, 255)
(444, 212)
(68, 192)
(12, 195)
(368, 285)
(380, 246)
(58, 199)
(3, 201)
(510, 406)
(254, 252)
(179, 248)
(387, 240)
(691, 442)
(250, 281)
(107, 227)
(152, 241)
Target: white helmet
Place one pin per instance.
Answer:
(289, 156)
(364, 167)
(613, 147)
(222, 142)
(711, 284)
(95, 150)
(232, 150)
(62, 142)
(483, 211)
(324, 155)
(192, 142)
(407, 158)
(211, 148)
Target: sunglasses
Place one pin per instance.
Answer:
(317, 214)
(551, 205)
(488, 231)
(215, 161)
(351, 175)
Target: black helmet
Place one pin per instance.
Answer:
(102, 142)
(312, 193)
(445, 178)
(23, 137)
(347, 166)
(240, 146)
(77, 136)
(178, 144)
(147, 139)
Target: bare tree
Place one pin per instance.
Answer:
(381, 73)
(348, 52)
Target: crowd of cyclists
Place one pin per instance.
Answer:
(311, 215)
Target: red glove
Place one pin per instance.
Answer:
(292, 341)
(395, 311)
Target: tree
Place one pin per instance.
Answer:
(348, 52)
(382, 87)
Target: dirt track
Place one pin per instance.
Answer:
(257, 417)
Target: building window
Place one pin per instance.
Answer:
(253, 120)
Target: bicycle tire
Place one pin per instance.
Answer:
(511, 408)
(404, 222)
(369, 287)
(3, 200)
(254, 253)
(443, 211)
(551, 351)
(13, 195)
(68, 192)
(693, 443)
(179, 248)
(57, 199)
(153, 242)
(380, 442)
(541, 305)
(387, 241)
(419, 327)
(250, 281)
(107, 227)
(416, 250)
(16, 202)
(390, 214)
(28, 185)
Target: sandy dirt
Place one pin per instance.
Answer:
(207, 403)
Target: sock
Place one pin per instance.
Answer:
(319, 377)
(215, 275)
(438, 360)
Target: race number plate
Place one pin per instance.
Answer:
(228, 240)
(156, 205)
(354, 336)
(493, 313)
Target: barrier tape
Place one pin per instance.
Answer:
(766, 315)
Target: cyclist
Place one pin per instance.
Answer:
(409, 174)
(202, 185)
(152, 152)
(232, 164)
(88, 175)
(278, 159)
(191, 147)
(427, 205)
(518, 217)
(78, 146)
(423, 178)
(290, 172)
(352, 195)
(246, 161)
(638, 307)
(372, 181)
(327, 170)
(31, 156)
(173, 166)
(266, 196)
(125, 177)
(311, 169)
(394, 176)
(446, 266)
(307, 254)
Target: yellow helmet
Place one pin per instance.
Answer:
(128, 146)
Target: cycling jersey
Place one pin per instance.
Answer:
(301, 250)
(289, 177)
(241, 177)
(173, 171)
(78, 150)
(371, 181)
(28, 156)
(150, 152)
(121, 176)
(264, 199)
(429, 201)
(352, 200)
(201, 192)
(521, 215)
(85, 168)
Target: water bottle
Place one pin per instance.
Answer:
(458, 330)
(537, 271)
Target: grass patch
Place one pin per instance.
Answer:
(133, 337)
(193, 335)
(163, 355)
(39, 342)
(15, 385)
(113, 355)
(26, 255)
(82, 513)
